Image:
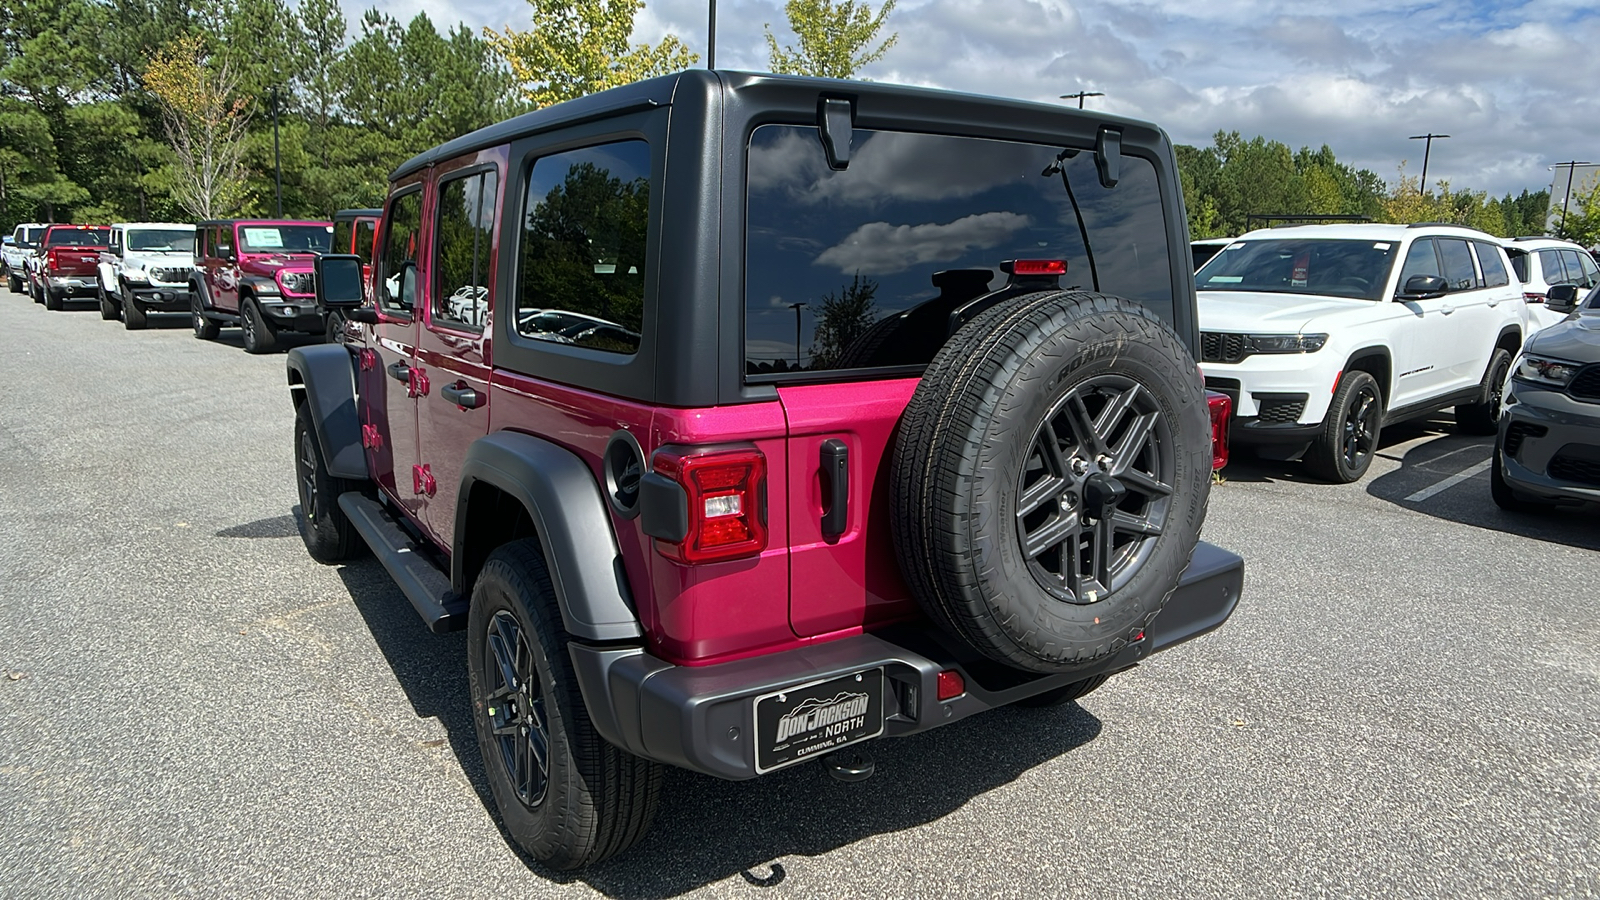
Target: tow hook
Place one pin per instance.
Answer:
(849, 766)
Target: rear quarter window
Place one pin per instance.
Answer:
(922, 223)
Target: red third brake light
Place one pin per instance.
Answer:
(1221, 406)
(724, 491)
(1039, 267)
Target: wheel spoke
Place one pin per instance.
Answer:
(1128, 448)
(1127, 523)
(1077, 415)
(1045, 489)
(1106, 423)
(1063, 529)
(1105, 533)
(1143, 481)
(503, 645)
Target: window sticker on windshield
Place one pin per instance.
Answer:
(1302, 264)
(1238, 246)
(1225, 279)
(1380, 246)
(263, 237)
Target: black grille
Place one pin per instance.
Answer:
(1221, 348)
(1587, 384)
(1576, 469)
(1516, 431)
(1281, 412)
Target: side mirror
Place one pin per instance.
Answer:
(224, 251)
(8, 240)
(1423, 287)
(1561, 298)
(338, 281)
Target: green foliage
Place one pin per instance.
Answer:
(579, 47)
(843, 317)
(1582, 220)
(836, 38)
(1224, 185)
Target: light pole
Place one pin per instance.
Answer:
(796, 307)
(1080, 95)
(277, 165)
(711, 43)
(1572, 166)
(1426, 150)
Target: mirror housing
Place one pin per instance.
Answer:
(1561, 298)
(339, 281)
(1423, 287)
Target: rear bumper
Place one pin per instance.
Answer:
(702, 718)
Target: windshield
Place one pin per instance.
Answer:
(1338, 268)
(286, 238)
(78, 237)
(164, 241)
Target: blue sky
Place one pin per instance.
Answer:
(1517, 85)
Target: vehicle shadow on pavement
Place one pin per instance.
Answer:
(708, 829)
(275, 527)
(1247, 468)
(1430, 481)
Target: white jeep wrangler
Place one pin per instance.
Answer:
(1323, 334)
(145, 269)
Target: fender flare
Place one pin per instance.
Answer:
(570, 516)
(1514, 331)
(258, 287)
(1374, 350)
(326, 373)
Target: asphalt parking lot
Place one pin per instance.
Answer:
(1405, 703)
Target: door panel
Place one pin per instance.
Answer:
(452, 353)
(388, 383)
(850, 579)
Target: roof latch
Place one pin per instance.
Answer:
(836, 120)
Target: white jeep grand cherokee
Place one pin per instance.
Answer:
(1323, 334)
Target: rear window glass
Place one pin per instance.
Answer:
(78, 237)
(919, 225)
(1519, 264)
(1459, 273)
(1494, 271)
(1342, 268)
(1550, 267)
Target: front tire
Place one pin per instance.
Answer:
(1349, 439)
(108, 309)
(259, 337)
(566, 795)
(204, 328)
(1504, 497)
(14, 284)
(328, 534)
(1483, 417)
(134, 318)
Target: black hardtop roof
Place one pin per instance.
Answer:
(358, 214)
(657, 92)
(263, 222)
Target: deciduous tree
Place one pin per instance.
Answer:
(206, 122)
(835, 38)
(579, 47)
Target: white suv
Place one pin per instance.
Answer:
(1540, 263)
(1322, 334)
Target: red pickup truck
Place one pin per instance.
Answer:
(67, 262)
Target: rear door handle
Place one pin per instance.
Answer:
(400, 371)
(461, 395)
(835, 463)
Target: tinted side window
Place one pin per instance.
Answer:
(399, 247)
(1458, 270)
(1420, 260)
(1574, 263)
(581, 267)
(1550, 267)
(861, 268)
(1519, 264)
(1494, 271)
(343, 230)
(366, 231)
(461, 241)
(1591, 272)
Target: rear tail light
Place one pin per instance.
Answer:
(1533, 297)
(725, 494)
(1221, 406)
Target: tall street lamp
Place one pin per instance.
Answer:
(1427, 149)
(277, 165)
(1571, 165)
(1080, 95)
(711, 43)
(796, 307)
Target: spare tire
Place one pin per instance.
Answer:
(1050, 476)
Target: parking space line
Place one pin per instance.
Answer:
(1450, 482)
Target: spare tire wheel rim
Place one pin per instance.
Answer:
(1095, 488)
(515, 708)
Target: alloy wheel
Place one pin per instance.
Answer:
(1360, 427)
(1095, 488)
(516, 708)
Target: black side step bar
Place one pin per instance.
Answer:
(420, 580)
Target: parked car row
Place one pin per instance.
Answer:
(1325, 334)
(254, 274)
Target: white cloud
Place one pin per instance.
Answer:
(1510, 80)
(878, 248)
